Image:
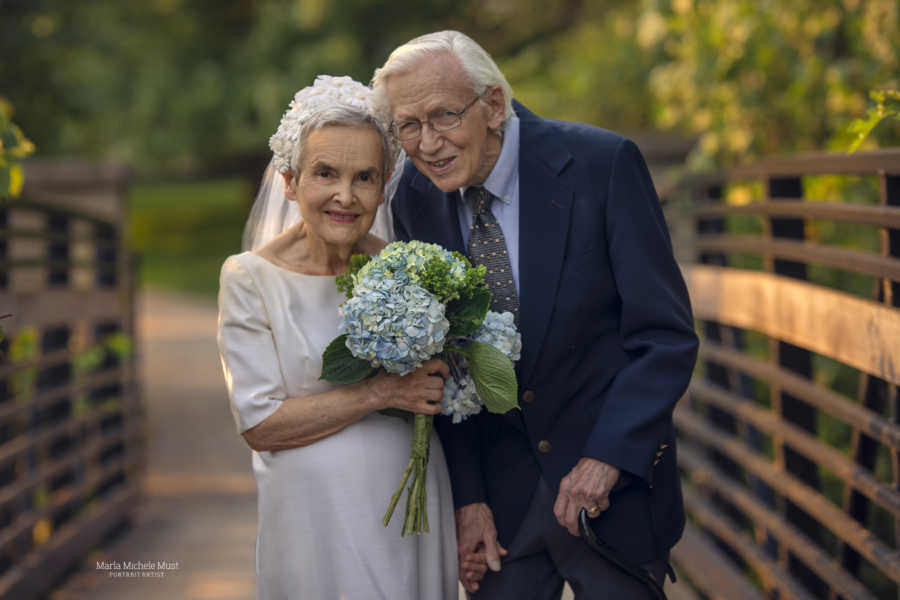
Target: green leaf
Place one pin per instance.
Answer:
(494, 376)
(8, 139)
(340, 366)
(861, 128)
(345, 281)
(5, 183)
(119, 344)
(467, 313)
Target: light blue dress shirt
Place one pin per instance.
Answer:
(503, 182)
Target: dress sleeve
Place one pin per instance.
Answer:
(247, 349)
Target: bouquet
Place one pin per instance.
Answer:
(412, 302)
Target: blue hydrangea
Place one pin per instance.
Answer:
(499, 330)
(460, 400)
(393, 324)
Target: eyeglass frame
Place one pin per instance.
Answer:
(459, 118)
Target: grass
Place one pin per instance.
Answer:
(182, 232)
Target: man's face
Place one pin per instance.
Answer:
(459, 157)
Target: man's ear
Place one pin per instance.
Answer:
(493, 97)
(290, 185)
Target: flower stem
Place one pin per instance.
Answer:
(416, 517)
(396, 497)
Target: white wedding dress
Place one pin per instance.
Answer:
(320, 534)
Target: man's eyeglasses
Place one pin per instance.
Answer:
(440, 122)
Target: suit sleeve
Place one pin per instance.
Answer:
(656, 325)
(461, 442)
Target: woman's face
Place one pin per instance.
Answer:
(340, 183)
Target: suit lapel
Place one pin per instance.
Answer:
(439, 224)
(545, 208)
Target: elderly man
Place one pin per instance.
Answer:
(567, 222)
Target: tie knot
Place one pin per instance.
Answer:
(479, 199)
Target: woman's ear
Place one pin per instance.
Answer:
(290, 185)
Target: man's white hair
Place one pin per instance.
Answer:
(477, 64)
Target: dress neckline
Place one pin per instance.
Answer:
(286, 270)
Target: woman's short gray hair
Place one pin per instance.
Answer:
(477, 64)
(346, 116)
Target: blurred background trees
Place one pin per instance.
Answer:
(196, 87)
(201, 83)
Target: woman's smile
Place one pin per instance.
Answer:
(342, 216)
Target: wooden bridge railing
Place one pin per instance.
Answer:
(789, 437)
(71, 439)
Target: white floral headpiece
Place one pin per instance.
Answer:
(325, 92)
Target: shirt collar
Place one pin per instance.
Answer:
(502, 180)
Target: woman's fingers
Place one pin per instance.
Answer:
(436, 366)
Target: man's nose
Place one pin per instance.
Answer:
(430, 140)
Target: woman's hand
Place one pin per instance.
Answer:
(418, 392)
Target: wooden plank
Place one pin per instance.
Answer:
(36, 439)
(873, 424)
(880, 555)
(877, 216)
(860, 333)
(801, 442)
(774, 577)
(705, 475)
(119, 374)
(858, 163)
(680, 590)
(26, 521)
(84, 454)
(35, 576)
(59, 306)
(706, 566)
(45, 360)
(803, 252)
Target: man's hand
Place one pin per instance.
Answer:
(586, 486)
(477, 544)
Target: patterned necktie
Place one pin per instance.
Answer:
(487, 247)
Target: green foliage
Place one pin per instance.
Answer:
(14, 147)
(466, 314)
(467, 304)
(24, 346)
(187, 82)
(436, 279)
(340, 366)
(887, 106)
(88, 359)
(120, 345)
(346, 281)
(183, 232)
(494, 376)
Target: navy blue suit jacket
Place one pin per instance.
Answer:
(608, 342)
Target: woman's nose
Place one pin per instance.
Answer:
(344, 192)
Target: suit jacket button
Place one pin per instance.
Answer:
(528, 397)
(544, 446)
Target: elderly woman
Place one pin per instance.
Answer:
(326, 461)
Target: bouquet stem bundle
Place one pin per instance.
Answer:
(416, 519)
